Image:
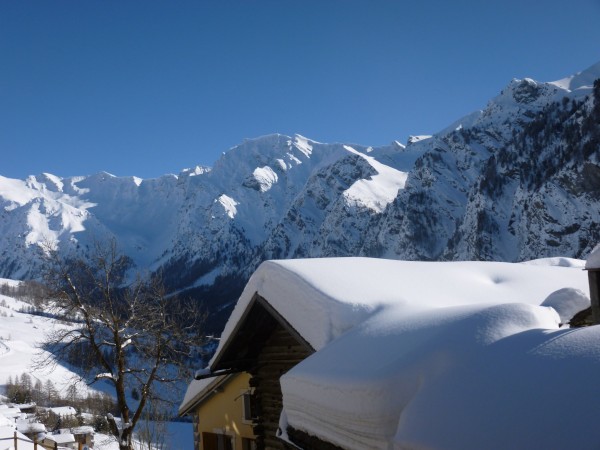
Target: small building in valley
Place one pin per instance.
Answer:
(84, 435)
(62, 440)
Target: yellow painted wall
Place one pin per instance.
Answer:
(223, 412)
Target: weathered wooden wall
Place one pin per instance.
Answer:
(280, 353)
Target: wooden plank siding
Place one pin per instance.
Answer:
(266, 345)
(279, 354)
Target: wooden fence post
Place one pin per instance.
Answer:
(15, 440)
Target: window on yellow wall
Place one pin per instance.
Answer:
(248, 406)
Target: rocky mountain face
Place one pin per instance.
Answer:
(518, 180)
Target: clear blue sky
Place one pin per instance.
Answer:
(151, 87)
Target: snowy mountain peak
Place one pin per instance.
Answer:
(303, 144)
(517, 180)
(581, 81)
(192, 172)
(415, 139)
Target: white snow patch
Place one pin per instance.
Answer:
(8, 282)
(54, 180)
(281, 163)
(198, 170)
(209, 278)
(228, 204)
(303, 144)
(378, 191)
(415, 139)
(16, 192)
(294, 159)
(567, 302)
(266, 177)
(583, 80)
(560, 261)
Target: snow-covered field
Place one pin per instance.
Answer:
(20, 334)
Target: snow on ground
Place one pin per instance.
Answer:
(19, 335)
(7, 439)
(436, 355)
(177, 436)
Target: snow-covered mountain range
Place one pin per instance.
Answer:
(518, 180)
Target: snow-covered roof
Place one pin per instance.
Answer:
(62, 438)
(23, 406)
(10, 411)
(476, 376)
(84, 429)
(461, 348)
(593, 260)
(28, 426)
(198, 390)
(64, 410)
(324, 297)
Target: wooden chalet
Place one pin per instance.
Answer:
(266, 346)
(315, 312)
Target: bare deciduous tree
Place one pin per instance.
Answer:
(129, 333)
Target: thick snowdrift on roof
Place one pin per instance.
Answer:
(195, 390)
(322, 298)
(567, 302)
(354, 392)
(530, 390)
(593, 260)
(396, 339)
(465, 377)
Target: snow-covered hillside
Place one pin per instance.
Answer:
(518, 180)
(21, 334)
